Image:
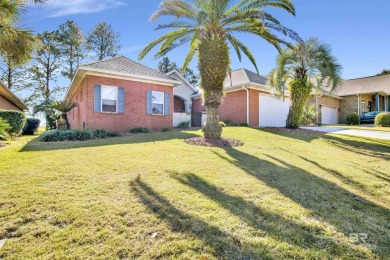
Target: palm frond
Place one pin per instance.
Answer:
(241, 46)
(150, 46)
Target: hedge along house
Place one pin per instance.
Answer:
(249, 100)
(8, 100)
(120, 94)
(363, 95)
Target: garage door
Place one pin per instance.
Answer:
(273, 111)
(328, 115)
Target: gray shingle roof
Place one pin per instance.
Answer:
(244, 76)
(122, 64)
(371, 84)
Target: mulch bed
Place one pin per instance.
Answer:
(222, 142)
(297, 131)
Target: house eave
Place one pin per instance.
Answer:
(84, 71)
(381, 92)
(4, 91)
(182, 79)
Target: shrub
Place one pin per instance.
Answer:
(353, 119)
(101, 133)
(165, 129)
(382, 119)
(31, 126)
(221, 123)
(4, 127)
(77, 135)
(229, 123)
(138, 130)
(81, 135)
(184, 124)
(243, 124)
(58, 136)
(15, 119)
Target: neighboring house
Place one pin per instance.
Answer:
(8, 100)
(182, 107)
(120, 94)
(327, 107)
(364, 95)
(249, 100)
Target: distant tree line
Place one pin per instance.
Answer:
(54, 54)
(34, 66)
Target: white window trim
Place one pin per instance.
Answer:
(101, 99)
(364, 106)
(163, 103)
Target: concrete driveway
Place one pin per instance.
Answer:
(354, 132)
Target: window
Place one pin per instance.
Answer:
(157, 103)
(81, 94)
(109, 99)
(364, 106)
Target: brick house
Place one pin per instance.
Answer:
(249, 100)
(363, 95)
(120, 94)
(8, 101)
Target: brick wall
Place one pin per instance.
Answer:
(7, 105)
(325, 101)
(348, 105)
(367, 98)
(135, 106)
(233, 107)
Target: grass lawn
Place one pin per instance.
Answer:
(361, 127)
(149, 196)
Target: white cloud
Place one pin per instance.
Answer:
(59, 8)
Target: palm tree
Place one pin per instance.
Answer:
(46, 108)
(64, 107)
(16, 43)
(309, 65)
(208, 26)
(49, 108)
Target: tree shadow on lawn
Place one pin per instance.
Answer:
(364, 146)
(223, 245)
(267, 223)
(37, 145)
(333, 172)
(329, 202)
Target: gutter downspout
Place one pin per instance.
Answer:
(247, 104)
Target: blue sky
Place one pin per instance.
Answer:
(357, 30)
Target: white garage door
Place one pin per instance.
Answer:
(328, 115)
(273, 111)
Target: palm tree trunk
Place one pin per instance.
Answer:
(300, 90)
(213, 65)
(65, 117)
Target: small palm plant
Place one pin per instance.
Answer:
(309, 114)
(209, 26)
(64, 107)
(46, 108)
(309, 65)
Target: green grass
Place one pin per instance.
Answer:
(282, 195)
(361, 127)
